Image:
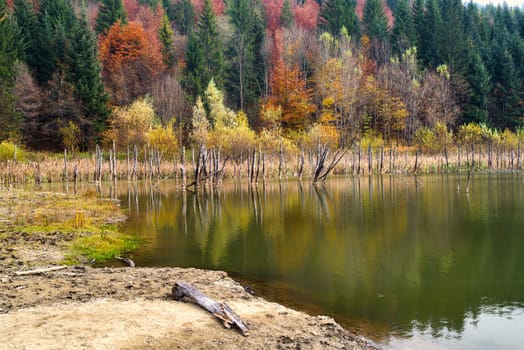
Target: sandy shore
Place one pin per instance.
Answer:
(126, 308)
(81, 307)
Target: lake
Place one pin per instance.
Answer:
(409, 262)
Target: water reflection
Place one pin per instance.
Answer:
(412, 257)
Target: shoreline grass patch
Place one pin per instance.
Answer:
(82, 227)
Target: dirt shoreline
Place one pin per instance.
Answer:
(131, 308)
(81, 307)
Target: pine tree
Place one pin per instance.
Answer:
(26, 20)
(8, 46)
(505, 109)
(245, 78)
(336, 14)
(109, 12)
(55, 18)
(286, 18)
(375, 21)
(165, 34)
(428, 33)
(403, 35)
(204, 54)
(8, 119)
(477, 76)
(451, 36)
(85, 75)
(183, 15)
(194, 70)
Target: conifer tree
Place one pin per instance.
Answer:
(403, 34)
(194, 69)
(505, 103)
(55, 18)
(335, 14)
(26, 21)
(204, 54)
(286, 18)
(477, 76)
(8, 52)
(183, 15)
(8, 55)
(85, 75)
(451, 36)
(165, 34)
(109, 12)
(428, 33)
(375, 21)
(244, 80)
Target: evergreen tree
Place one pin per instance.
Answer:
(375, 24)
(204, 54)
(505, 102)
(245, 78)
(84, 75)
(403, 35)
(194, 71)
(428, 34)
(286, 18)
(183, 15)
(375, 21)
(8, 55)
(8, 46)
(451, 35)
(417, 10)
(335, 14)
(27, 23)
(109, 11)
(50, 41)
(477, 76)
(165, 34)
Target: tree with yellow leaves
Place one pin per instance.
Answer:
(129, 125)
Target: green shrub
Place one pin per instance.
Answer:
(11, 151)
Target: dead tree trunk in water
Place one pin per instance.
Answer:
(220, 310)
(321, 172)
(183, 167)
(301, 164)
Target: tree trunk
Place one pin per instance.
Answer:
(219, 309)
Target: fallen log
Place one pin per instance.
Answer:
(219, 309)
(127, 261)
(38, 271)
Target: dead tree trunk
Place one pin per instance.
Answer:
(321, 172)
(219, 309)
(183, 167)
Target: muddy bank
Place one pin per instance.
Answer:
(81, 307)
(126, 308)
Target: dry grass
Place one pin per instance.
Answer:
(50, 168)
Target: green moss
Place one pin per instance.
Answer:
(85, 226)
(102, 246)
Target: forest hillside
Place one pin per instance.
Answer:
(233, 73)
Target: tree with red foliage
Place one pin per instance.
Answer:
(306, 16)
(273, 11)
(131, 61)
(218, 6)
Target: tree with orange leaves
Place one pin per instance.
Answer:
(289, 90)
(131, 60)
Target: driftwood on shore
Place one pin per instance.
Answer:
(39, 271)
(219, 309)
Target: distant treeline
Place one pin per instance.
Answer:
(232, 74)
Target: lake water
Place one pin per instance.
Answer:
(409, 262)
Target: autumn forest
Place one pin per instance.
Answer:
(237, 73)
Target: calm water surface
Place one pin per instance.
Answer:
(411, 263)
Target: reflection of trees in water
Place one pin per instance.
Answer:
(391, 249)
